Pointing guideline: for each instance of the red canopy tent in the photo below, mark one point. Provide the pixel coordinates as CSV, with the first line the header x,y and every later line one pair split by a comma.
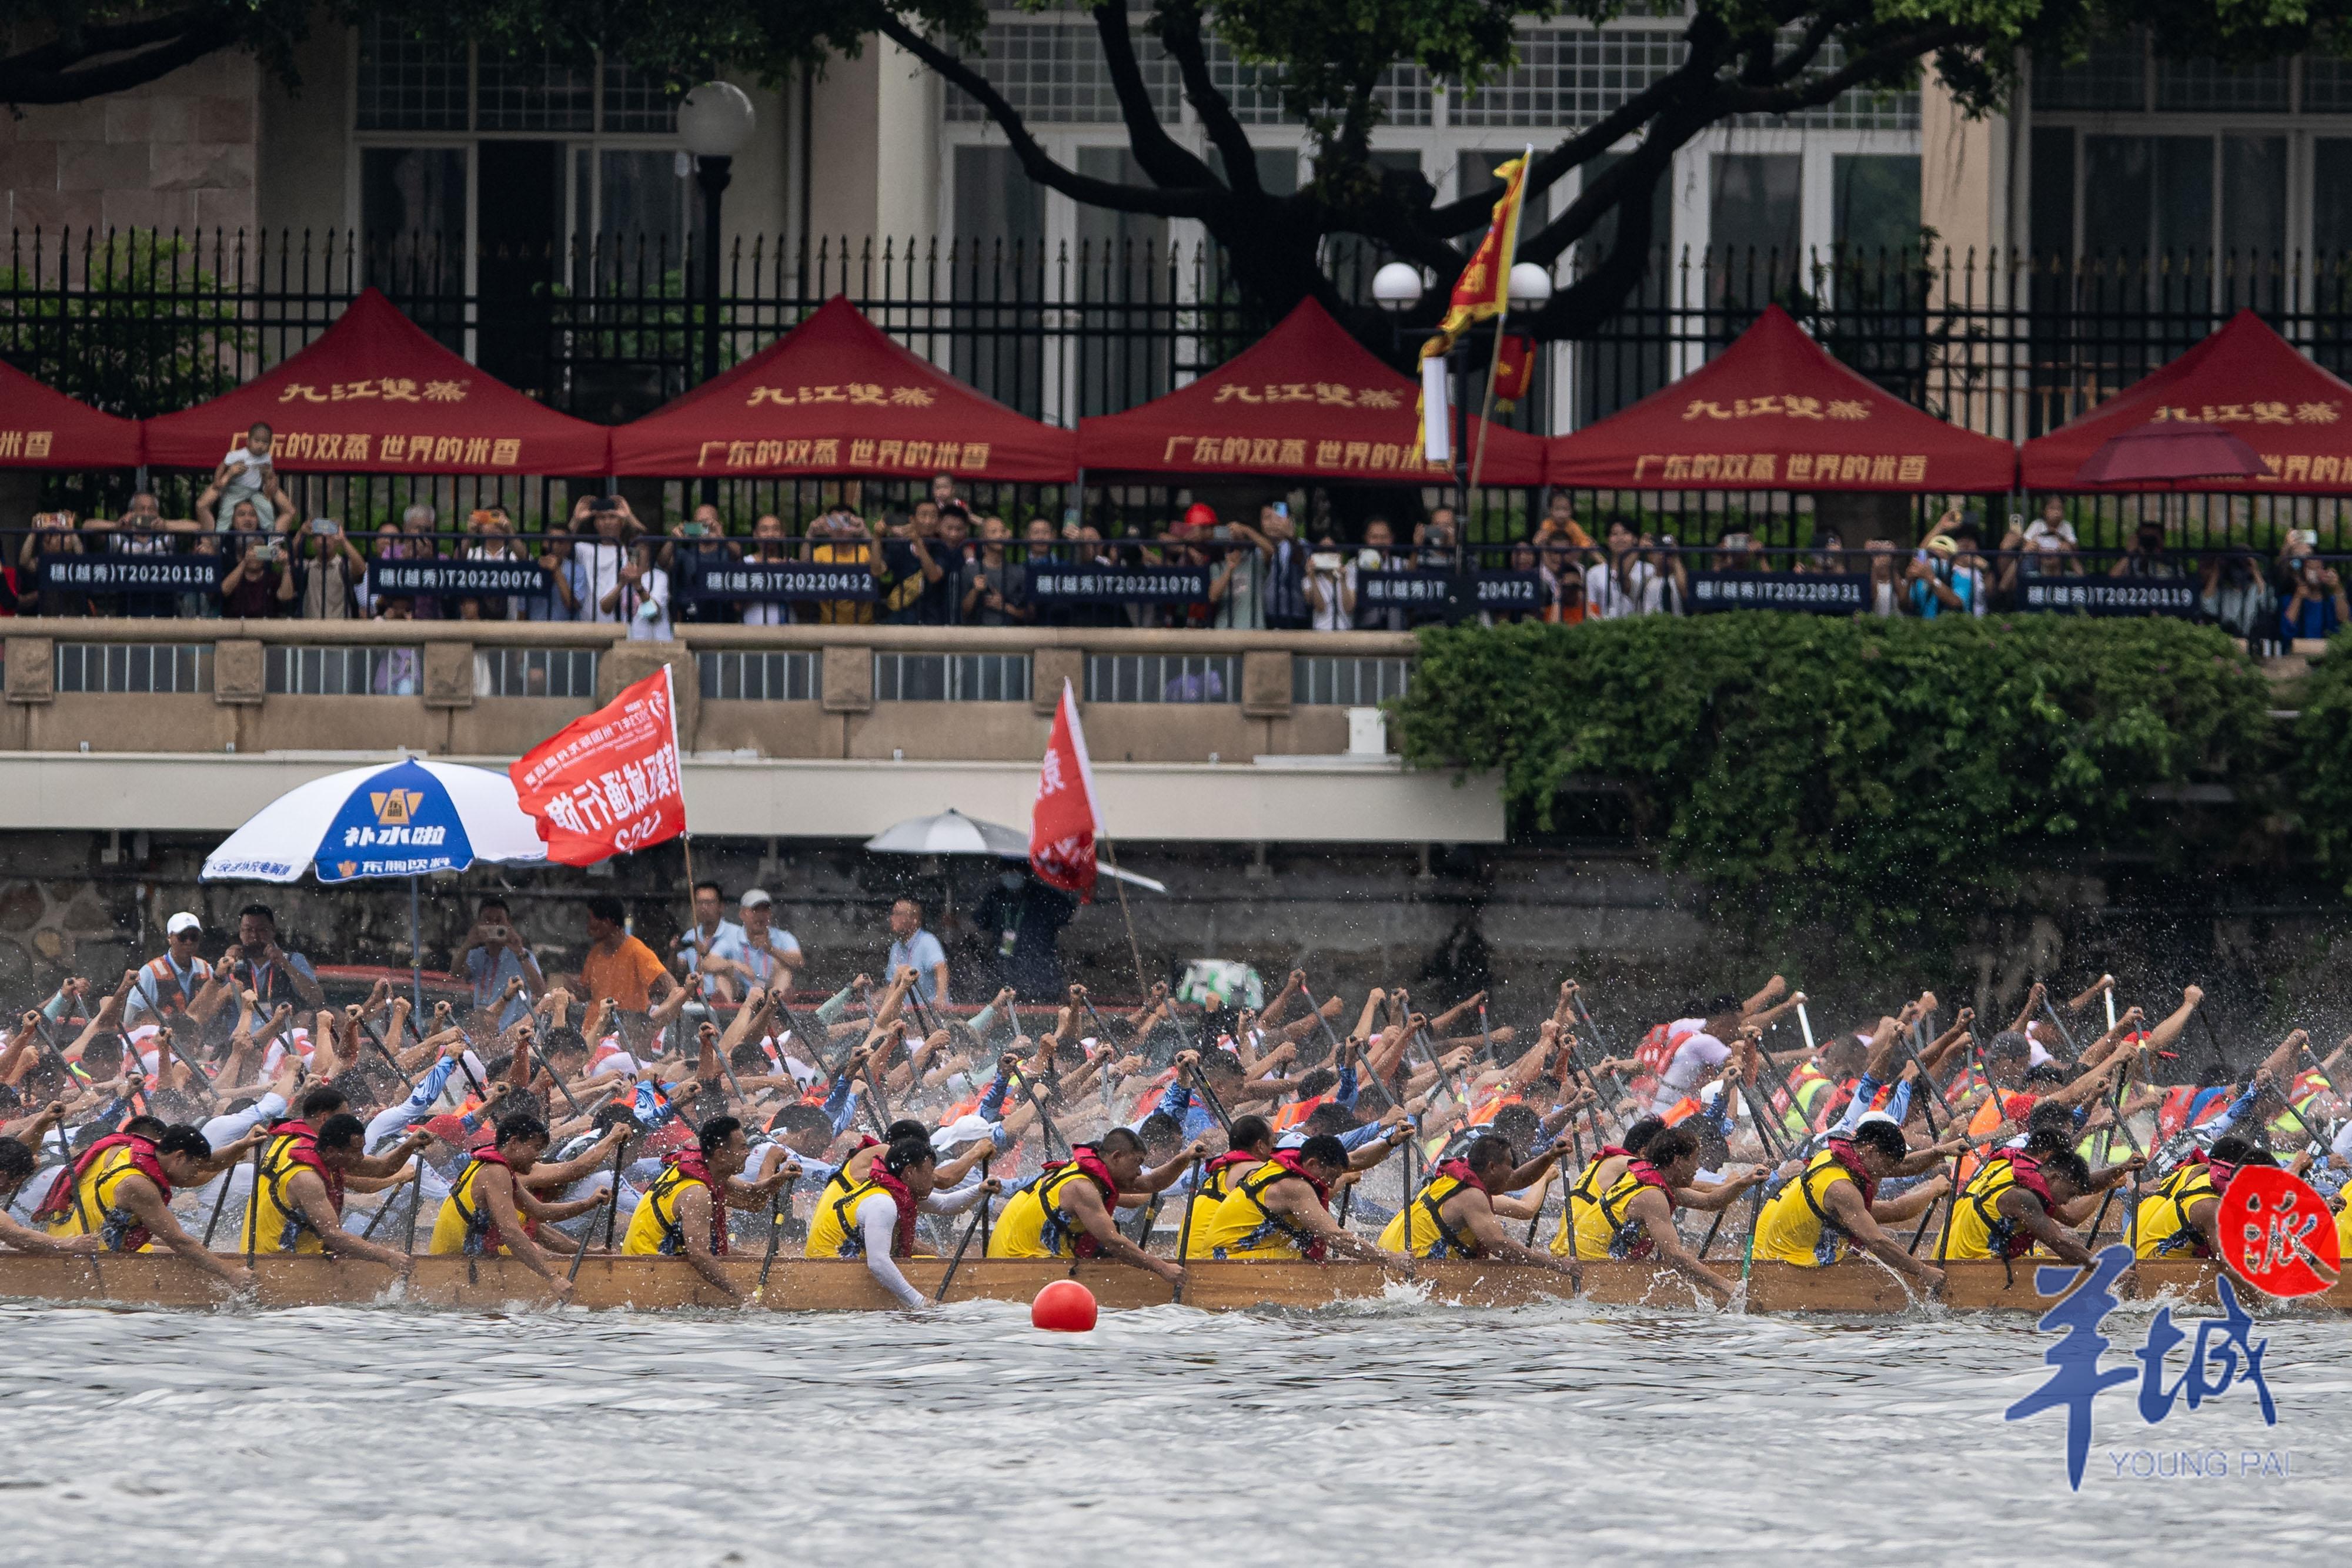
x,y
375,394
2244,378
43,428
1304,400
835,395
1776,411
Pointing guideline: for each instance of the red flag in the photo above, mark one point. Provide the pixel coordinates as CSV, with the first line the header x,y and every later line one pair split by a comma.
x,y
608,784
1063,823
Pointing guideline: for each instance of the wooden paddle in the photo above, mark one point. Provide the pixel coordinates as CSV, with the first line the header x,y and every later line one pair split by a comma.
x,y
781,1206
613,1206
1184,1231
954,1263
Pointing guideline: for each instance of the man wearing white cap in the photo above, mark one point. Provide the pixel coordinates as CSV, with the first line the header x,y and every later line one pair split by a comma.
x,y
767,958
177,985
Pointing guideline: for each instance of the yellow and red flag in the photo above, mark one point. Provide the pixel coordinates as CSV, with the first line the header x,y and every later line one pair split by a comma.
x,y
1484,289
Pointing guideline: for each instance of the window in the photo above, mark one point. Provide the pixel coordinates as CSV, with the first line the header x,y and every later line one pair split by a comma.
x,y
951,678
1054,72
2053,191
758,677
2331,197
535,673
1320,681
1876,199
405,84
1753,203
639,102
134,668
1569,76
1474,174
535,91
342,672
2113,75
1163,678
413,216
2208,86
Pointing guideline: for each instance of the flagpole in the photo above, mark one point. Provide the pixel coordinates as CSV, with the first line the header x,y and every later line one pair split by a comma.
x,y
1505,254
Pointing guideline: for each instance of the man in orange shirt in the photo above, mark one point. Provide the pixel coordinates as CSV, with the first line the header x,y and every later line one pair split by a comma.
x,y
617,965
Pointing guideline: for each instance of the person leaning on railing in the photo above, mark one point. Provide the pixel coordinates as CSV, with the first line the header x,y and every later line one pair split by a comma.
x,y
992,590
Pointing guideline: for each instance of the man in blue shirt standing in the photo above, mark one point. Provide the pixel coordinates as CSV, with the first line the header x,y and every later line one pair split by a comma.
x,y
913,947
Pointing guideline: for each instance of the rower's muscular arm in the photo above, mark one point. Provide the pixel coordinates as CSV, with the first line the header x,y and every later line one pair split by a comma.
x,y
503,1196
2027,1210
1294,1198
694,1226
138,1195
1861,1227
1657,1216
1707,1197
1471,1210
308,1194
15,1238
1086,1207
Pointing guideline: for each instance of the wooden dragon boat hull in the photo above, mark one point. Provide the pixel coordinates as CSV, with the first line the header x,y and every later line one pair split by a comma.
x,y
659,1284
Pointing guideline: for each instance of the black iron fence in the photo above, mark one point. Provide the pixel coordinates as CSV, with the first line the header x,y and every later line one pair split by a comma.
x,y
139,322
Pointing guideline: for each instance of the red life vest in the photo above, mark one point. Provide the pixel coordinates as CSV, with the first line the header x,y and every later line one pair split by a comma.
x,y
1646,1174
1459,1171
690,1164
2173,1114
303,1150
1849,1160
1090,1166
2222,1171
1290,1115
902,1237
1226,1162
1314,1250
486,1226
2026,1171
59,1203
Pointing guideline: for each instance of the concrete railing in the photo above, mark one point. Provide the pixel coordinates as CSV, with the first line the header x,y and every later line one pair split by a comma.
x,y
441,687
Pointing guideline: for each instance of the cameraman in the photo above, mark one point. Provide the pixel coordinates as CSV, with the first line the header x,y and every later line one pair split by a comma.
x,y
493,955
260,965
1330,588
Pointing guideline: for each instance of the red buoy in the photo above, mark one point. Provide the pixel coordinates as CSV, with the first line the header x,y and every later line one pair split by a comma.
x,y
1064,1307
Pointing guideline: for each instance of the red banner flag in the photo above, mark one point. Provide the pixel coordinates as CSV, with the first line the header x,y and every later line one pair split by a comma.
x,y
608,784
1063,823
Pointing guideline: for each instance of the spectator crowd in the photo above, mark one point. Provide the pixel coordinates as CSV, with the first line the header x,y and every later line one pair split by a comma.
x,y
945,561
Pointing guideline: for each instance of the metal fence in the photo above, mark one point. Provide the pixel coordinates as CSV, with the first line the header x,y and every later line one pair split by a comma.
x,y
139,323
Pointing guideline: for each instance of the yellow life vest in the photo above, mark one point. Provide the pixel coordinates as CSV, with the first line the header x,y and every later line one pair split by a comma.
x,y
1215,1187
1978,1230
1033,1224
1605,1226
463,1225
2163,1228
833,1229
1586,1188
94,1197
1244,1227
1431,1236
654,1229
1795,1227
282,1226
2344,1230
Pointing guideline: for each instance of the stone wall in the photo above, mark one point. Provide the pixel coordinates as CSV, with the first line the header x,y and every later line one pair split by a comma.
x,y
178,153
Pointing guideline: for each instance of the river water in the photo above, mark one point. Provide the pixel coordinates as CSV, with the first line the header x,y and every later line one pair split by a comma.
x,y
1388,1433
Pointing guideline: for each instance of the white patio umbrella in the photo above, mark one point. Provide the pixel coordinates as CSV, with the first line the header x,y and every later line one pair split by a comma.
x,y
953,833
405,818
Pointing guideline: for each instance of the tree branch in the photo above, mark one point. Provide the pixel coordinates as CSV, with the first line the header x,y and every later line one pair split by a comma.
x,y
1896,53
1156,152
1167,204
143,51
1181,38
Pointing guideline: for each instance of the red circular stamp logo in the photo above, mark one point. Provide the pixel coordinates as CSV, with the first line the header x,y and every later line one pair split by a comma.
x,y
2278,1234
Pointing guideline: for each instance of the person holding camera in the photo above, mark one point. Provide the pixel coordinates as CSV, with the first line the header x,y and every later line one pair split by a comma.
x,y
590,580
325,570
495,955
1330,588
250,590
697,544
2318,605
257,964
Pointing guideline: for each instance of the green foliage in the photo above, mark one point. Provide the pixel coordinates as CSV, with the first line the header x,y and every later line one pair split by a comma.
x,y
2322,766
148,332
1887,777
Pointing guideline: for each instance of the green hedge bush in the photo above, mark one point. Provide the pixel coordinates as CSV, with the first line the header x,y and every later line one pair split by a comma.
x,y
1883,775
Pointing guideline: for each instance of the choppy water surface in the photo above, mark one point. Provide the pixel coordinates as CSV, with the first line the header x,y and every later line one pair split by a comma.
x,y
1393,1434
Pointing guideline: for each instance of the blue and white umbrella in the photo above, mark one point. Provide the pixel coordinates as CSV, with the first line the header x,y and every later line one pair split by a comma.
x,y
408,819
